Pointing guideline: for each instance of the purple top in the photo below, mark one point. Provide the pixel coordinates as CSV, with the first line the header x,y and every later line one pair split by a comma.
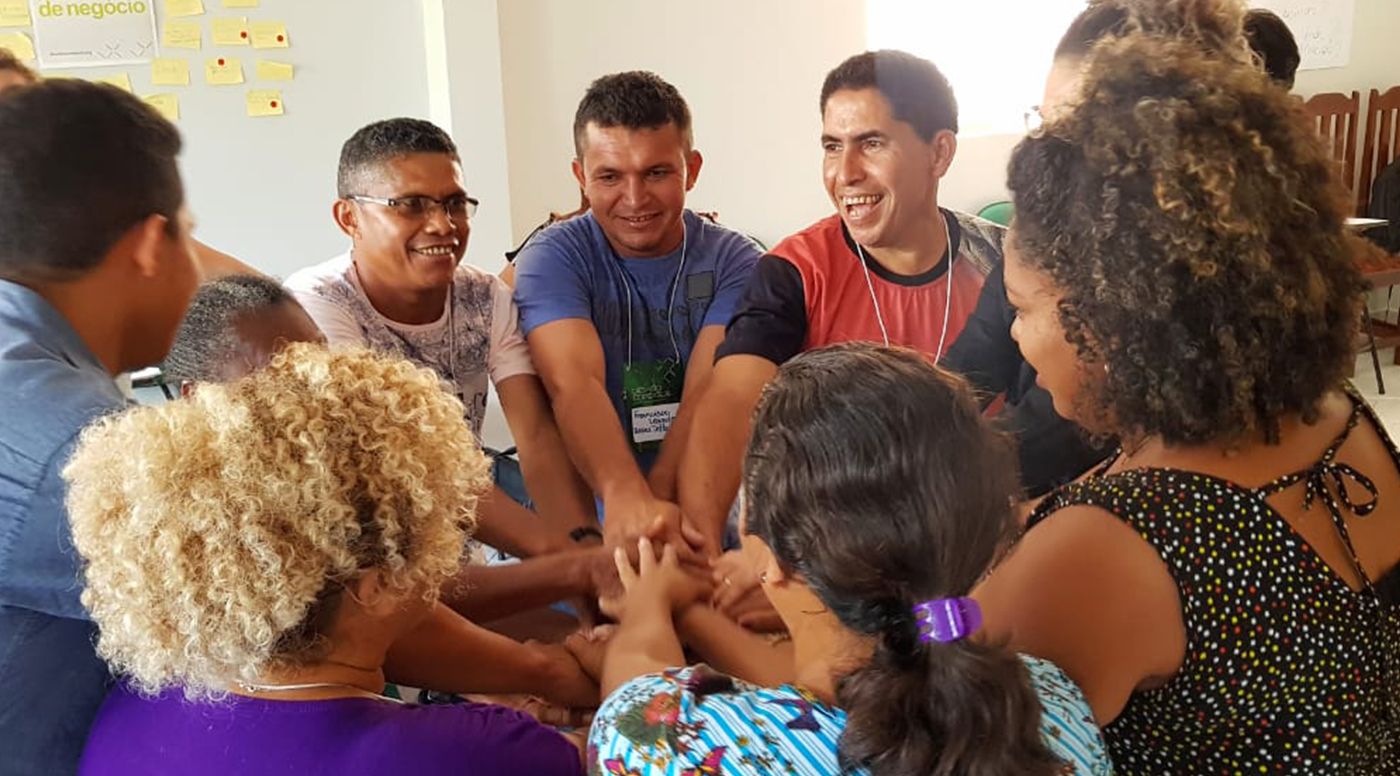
x,y
344,736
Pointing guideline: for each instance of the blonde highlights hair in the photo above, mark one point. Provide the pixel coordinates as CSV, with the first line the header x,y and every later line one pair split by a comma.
x,y
218,531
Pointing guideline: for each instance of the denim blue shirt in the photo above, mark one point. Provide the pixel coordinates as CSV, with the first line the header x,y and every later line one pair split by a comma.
x,y
51,680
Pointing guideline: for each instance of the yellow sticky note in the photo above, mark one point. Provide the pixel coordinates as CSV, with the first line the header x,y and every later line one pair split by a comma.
x,y
170,72
184,7
122,81
274,71
229,32
240,3
15,13
269,35
168,105
223,71
19,44
264,103
185,35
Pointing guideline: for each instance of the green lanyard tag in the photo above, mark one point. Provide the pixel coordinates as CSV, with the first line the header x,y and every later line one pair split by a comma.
x,y
652,392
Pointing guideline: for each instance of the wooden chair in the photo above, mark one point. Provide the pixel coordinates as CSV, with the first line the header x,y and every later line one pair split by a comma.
x,y
1336,117
1382,141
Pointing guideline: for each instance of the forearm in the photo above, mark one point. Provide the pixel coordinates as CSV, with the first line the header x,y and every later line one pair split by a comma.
x,y
484,593
730,648
562,499
644,643
511,528
450,654
711,470
664,473
597,442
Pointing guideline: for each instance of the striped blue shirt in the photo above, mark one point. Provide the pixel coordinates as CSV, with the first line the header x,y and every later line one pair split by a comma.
x,y
696,722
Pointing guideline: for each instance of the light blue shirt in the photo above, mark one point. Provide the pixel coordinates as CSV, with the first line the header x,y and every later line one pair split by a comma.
x,y
51,680
694,721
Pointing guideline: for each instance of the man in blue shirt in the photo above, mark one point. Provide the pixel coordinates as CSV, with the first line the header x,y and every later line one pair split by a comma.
x,y
624,306
96,269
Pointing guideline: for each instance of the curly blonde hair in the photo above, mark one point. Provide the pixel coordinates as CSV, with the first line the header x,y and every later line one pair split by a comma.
x,y
1195,224
219,531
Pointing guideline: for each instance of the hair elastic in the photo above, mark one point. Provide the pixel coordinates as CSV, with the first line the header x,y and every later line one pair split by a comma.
x,y
947,619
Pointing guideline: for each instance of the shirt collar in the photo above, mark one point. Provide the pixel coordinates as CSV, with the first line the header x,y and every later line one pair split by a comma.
x,y
24,310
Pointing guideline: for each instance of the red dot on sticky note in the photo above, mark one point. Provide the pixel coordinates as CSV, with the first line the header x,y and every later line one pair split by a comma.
x,y
280,38
243,34
221,63
274,103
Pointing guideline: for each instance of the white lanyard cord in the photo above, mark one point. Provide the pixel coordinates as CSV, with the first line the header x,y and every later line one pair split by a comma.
x,y
675,283
947,303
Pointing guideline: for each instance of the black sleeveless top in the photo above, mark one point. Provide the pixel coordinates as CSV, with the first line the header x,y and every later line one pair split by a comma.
x,y
1287,669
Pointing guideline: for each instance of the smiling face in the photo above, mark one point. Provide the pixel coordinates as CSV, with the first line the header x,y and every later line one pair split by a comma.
x,y
407,253
636,180
881,176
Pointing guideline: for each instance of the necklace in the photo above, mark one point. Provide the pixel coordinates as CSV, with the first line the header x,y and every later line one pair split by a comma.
x,y
252,687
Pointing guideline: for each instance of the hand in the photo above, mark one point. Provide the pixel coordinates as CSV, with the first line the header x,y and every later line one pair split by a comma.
x,y
589,646
663,582
657,520
562,680
736,576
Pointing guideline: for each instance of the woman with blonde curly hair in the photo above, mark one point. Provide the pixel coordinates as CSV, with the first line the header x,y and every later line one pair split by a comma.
x,y
1225,588
251,555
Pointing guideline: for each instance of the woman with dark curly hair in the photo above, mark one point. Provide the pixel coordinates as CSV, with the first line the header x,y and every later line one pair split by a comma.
x,y
1225,588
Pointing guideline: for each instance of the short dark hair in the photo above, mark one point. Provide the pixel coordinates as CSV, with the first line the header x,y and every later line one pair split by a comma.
x,y
875,478
636,99
80,164
10,62
914,87
381,141
208,335
1271,39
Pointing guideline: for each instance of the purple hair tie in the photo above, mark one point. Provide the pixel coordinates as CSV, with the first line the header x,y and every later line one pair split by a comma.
x,y
947,619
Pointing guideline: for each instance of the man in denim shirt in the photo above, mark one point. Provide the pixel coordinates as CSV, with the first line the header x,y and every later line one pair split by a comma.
x,y
96,269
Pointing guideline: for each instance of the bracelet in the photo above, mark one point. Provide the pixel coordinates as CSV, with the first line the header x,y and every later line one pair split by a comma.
x,y
584,532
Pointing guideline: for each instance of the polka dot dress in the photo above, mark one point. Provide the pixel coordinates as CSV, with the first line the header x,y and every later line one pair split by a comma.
x,y
1287,669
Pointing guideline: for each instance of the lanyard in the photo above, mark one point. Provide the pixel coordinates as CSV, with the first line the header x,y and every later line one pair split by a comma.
x,y
671,303
947,303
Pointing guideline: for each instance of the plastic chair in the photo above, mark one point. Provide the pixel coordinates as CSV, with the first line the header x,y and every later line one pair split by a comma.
x,y
997,213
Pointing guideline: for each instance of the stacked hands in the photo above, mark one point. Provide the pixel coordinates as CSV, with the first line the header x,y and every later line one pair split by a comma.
x,y
650,579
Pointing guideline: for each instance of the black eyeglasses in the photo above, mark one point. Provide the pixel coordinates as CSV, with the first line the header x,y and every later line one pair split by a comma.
x,y
459,207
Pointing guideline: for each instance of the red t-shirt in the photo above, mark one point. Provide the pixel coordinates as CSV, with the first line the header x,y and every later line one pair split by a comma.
x,y
812,290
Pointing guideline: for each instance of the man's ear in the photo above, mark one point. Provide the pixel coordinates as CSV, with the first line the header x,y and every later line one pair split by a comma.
x,y
577,167
347,218
945,147
693,162
187,388
145,240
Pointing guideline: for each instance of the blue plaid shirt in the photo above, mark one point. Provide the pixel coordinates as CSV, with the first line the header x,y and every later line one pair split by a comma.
x,y
51,681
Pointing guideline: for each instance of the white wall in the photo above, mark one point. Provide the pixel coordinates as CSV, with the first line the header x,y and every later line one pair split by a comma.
x,y
751,72
261,189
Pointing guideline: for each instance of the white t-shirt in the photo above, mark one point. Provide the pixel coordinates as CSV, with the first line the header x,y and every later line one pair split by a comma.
x,y
484,338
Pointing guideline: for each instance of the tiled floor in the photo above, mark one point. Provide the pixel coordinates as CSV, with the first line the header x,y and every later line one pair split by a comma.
x,y
1387,406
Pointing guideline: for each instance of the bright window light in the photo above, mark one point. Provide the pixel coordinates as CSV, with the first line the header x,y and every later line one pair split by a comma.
x,y
995,53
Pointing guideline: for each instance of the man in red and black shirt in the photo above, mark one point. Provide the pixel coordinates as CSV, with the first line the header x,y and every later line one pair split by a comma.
x,y
890,266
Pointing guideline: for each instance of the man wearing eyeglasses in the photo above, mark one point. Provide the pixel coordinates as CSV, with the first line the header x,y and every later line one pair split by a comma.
x,y
403,288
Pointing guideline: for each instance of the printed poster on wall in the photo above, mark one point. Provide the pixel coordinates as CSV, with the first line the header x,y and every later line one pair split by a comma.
x,y
92,34
1322,28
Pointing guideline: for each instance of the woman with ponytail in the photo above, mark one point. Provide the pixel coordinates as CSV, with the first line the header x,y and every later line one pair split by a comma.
x,y
877,495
